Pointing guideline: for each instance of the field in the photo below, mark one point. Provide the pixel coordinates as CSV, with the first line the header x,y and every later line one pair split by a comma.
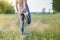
x,y
43,27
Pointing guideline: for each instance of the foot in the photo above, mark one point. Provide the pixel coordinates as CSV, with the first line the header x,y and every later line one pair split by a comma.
x,y
22,36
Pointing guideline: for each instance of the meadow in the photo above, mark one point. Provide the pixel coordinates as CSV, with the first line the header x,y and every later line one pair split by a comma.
x,y
42,27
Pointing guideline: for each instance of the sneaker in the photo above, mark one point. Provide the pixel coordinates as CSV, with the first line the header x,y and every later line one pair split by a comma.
x,y
27,17
22,36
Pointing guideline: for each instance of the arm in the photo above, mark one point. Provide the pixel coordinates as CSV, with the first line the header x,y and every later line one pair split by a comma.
x,y
24,3
17,5
24,6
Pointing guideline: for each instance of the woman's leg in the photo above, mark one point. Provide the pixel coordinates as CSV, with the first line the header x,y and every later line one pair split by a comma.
x,y
21,18
29,16
22,24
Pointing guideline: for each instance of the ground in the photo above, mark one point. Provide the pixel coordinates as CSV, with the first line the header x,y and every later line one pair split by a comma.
x,y
43,27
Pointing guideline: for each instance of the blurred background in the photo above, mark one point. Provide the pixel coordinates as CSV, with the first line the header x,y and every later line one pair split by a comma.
x,y
45,23
37,5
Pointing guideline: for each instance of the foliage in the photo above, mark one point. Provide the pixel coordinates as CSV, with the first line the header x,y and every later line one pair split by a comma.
x,y
6,7
56,5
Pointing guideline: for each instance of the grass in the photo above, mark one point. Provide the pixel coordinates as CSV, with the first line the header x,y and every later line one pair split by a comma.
x,y
43,27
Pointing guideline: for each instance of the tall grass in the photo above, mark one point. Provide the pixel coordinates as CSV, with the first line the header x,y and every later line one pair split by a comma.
x,y
43,27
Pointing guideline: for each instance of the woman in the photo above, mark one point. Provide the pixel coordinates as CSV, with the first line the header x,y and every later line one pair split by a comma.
x,y
23,12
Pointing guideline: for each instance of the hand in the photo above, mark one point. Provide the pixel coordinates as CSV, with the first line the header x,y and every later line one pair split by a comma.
x,y
23,10
17,9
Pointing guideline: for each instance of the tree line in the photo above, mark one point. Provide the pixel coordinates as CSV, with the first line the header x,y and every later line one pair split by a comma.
x,y
56,5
